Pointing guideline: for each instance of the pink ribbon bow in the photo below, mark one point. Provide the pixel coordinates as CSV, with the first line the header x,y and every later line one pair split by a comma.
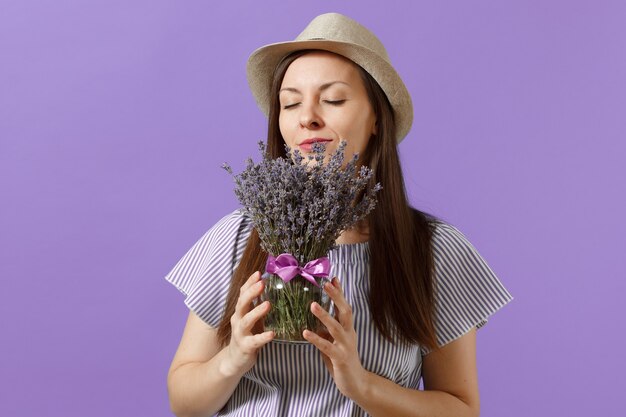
x,y
286,267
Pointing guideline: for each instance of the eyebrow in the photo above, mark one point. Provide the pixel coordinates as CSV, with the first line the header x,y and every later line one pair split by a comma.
x,y
322,87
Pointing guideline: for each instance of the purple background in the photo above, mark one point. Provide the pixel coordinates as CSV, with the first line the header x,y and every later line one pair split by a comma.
x,y
116,115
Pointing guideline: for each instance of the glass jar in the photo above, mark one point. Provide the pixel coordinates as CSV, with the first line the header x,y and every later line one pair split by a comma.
x,y
290,306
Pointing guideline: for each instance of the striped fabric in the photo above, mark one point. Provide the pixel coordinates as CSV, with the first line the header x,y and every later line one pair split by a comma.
x,y
290,377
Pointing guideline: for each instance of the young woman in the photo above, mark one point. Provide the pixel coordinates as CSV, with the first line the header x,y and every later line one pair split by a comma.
x,y
410,290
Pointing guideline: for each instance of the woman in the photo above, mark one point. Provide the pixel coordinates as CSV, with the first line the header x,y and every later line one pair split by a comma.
x,y
413,290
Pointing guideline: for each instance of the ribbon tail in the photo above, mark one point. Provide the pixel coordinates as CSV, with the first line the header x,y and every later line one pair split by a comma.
x,y
309,278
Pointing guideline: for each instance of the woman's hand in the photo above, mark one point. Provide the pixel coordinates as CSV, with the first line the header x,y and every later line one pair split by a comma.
x,y
339,349
247,335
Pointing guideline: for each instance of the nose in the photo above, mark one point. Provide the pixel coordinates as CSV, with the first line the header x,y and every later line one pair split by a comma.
x,y
310,117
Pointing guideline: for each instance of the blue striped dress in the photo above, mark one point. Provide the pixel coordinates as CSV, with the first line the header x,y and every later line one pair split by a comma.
x,y
290,379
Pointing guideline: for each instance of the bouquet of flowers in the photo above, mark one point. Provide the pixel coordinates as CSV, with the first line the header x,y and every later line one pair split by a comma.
x,y
299,207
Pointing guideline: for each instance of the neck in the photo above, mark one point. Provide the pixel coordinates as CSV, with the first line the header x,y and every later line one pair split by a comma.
x,y
357,234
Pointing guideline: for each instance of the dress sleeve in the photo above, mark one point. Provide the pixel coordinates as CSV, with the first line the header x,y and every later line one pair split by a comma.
x,y
204,273
467,291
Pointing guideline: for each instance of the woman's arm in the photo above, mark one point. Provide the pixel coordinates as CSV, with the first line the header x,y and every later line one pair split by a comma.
x,y
450,375
450,386
202,377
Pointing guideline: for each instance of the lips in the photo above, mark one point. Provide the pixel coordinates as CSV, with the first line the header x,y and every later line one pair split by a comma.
x,y
307,144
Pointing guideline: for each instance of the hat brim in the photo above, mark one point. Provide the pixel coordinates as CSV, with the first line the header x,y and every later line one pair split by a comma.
x,y
262,62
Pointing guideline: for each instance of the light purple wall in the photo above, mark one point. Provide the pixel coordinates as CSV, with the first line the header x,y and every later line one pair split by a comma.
x,y
116,115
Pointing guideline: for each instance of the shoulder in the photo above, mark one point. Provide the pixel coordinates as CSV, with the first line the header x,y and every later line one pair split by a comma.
x,y
458,263
220,242
203,274
460,267
225,241
445,229
228,230
467,291
449,241
234,220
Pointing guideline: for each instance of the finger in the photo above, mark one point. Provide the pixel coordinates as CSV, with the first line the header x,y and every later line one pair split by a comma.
x,y
319,342
261,339
250,319
251,343
333,326
251,281
343,310
244,303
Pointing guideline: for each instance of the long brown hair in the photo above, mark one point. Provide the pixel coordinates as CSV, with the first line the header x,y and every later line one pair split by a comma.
x,y
401,295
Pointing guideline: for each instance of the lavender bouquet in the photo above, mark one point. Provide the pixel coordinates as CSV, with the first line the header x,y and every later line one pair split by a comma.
x,y
299,206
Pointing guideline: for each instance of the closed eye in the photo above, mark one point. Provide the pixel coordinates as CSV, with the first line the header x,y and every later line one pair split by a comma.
x,y
335,102
290,106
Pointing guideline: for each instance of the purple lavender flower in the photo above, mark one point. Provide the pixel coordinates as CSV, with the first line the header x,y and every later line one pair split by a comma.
x,y
299,205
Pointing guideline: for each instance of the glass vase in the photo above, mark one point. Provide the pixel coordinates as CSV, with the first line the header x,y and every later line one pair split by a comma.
x,y
290,311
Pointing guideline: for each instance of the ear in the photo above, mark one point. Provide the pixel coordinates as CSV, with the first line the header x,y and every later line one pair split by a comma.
x,y
375,128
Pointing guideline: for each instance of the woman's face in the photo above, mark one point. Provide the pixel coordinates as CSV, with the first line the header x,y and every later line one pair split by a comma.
x,y
323,99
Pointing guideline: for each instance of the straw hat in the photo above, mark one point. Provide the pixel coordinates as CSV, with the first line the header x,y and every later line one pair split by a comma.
x,y
336,33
